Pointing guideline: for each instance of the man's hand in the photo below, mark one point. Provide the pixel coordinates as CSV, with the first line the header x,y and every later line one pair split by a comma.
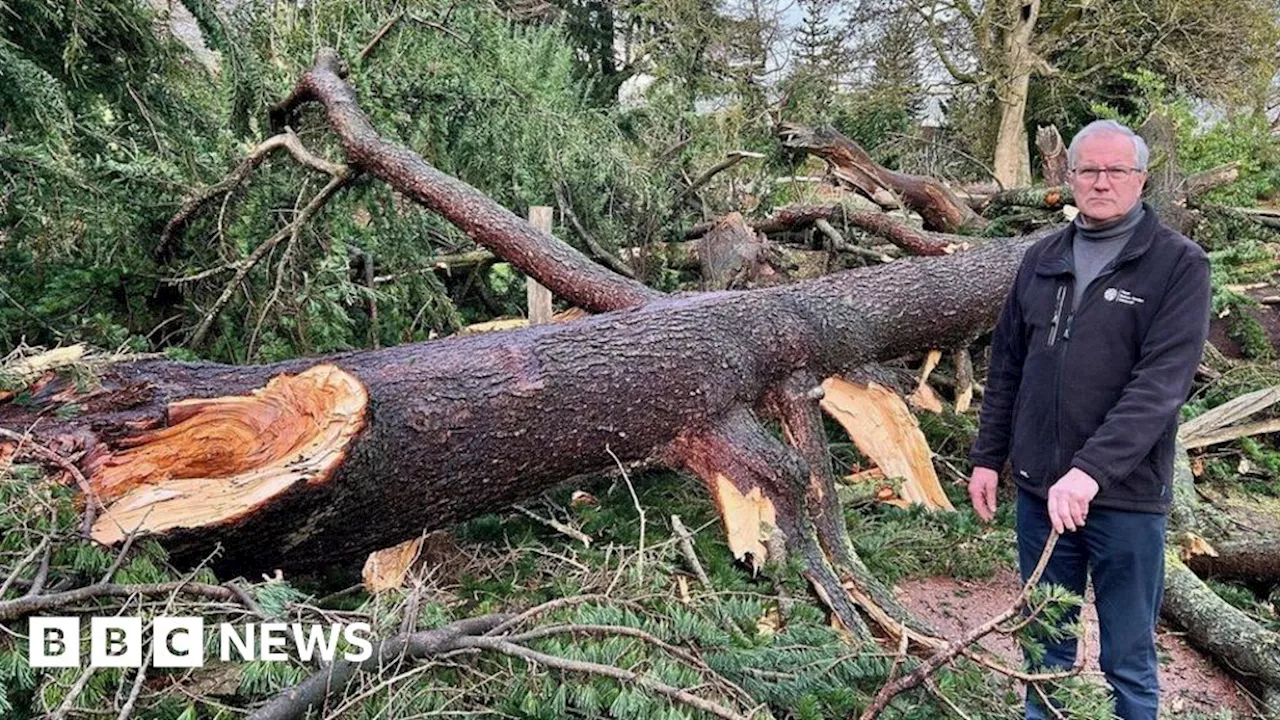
x,y
1069,500
982,491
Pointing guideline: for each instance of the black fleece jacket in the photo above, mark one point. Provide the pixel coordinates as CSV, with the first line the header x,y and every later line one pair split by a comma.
x,y
1099,386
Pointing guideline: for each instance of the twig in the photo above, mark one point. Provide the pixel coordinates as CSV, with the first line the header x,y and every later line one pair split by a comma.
x,y
377,37
286,140
932,687
839,244
373,300
73,694
282,267
17,569
245,598
626,676
146,116
556,525
440,27
733,158
624,630
639,509
1049,705
91,502
119,559
134,692
904,640
42,574
1026,677
544,608
958,647
290,231
686,548
13,609
606,257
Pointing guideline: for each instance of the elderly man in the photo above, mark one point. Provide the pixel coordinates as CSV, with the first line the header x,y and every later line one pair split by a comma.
x,y
1092,357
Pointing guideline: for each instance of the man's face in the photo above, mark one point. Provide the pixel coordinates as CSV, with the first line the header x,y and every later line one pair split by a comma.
x,y
1106,196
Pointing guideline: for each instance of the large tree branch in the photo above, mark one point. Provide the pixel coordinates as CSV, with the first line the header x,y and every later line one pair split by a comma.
x,y
853,166
568,273
939,47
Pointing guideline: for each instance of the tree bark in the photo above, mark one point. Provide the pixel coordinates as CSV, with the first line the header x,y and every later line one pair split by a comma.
x,y
1248,560
1212,624
1012,156
1053,155
568,273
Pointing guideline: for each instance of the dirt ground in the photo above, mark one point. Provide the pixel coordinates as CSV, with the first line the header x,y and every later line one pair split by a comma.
x,y
1190,681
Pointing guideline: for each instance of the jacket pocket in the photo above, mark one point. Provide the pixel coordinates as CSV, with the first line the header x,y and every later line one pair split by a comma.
x,y
1032,443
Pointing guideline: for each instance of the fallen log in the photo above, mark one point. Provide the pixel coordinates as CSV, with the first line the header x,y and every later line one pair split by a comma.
x,y
1221,423
449,429
1247,560
312,462
851,165
1231,636
794,218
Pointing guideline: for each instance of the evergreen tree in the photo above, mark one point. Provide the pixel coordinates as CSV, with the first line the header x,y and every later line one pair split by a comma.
x,y
819,45
895,69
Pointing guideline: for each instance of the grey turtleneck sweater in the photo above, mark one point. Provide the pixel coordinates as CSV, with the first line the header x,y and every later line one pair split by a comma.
x,y
1096,245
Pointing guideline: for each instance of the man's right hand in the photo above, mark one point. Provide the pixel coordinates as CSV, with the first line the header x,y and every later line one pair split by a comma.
x,y
982,491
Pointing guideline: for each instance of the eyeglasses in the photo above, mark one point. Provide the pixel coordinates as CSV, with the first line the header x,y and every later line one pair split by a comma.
x,y
1116,173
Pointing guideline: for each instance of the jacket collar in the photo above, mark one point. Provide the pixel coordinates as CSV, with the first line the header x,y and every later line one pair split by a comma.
x,y
1056,257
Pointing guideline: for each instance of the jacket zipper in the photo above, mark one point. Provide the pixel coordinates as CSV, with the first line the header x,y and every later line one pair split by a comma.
x,y
1057,383
1057,315
1062,354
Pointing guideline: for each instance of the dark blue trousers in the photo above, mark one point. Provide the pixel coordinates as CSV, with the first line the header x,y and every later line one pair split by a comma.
x,y
1124,552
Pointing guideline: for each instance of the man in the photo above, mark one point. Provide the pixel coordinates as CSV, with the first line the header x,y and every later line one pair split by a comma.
x,y
1092,357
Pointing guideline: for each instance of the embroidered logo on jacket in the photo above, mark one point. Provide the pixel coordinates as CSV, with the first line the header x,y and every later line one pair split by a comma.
x,y
1121,296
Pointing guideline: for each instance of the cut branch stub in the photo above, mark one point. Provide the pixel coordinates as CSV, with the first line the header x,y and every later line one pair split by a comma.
x,y
1053,154
222,457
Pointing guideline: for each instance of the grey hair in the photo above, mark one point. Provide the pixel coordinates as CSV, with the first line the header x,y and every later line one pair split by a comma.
x,y
1101,127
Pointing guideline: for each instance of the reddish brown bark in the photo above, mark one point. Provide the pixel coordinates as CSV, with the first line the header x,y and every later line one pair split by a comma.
x,y
459,427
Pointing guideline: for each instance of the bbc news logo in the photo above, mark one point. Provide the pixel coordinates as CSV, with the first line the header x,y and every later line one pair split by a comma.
x,y
179,642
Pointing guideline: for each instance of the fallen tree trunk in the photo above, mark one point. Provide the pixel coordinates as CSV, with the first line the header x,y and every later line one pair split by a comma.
x,y
311,462
1236,640
446,430
1248,560
1222,630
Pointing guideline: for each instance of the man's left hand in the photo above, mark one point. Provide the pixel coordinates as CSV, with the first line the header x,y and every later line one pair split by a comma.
x,y
1069,500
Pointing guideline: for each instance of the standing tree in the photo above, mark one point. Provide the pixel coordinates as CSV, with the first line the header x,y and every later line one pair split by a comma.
x,y
1215,50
